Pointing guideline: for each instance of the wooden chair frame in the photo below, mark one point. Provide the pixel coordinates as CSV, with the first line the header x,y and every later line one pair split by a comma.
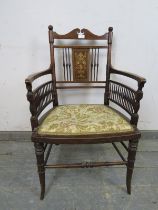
x,y
123,95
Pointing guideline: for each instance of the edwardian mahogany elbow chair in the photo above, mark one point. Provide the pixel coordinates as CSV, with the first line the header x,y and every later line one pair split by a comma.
x,y
83,123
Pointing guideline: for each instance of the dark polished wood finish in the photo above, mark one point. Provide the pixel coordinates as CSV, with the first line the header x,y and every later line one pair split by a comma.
x,y
86,164
83,71
132,149
39,150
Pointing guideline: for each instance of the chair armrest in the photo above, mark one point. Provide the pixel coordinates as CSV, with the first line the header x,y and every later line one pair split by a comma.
x,y
40,97
141,81
34,76
125,96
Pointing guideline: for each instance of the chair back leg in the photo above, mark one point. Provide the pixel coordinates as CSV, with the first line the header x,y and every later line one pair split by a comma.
x,y
39,150
132,149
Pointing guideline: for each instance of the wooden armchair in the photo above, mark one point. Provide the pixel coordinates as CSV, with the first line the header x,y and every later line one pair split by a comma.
x,y
83,123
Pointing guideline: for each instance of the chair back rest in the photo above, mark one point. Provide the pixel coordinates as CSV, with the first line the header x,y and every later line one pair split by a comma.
x,y
79,62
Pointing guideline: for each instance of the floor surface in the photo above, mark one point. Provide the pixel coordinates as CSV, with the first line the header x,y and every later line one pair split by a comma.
x,y
77,189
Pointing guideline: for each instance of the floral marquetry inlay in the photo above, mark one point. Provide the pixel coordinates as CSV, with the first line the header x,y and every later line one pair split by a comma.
x,y
80,64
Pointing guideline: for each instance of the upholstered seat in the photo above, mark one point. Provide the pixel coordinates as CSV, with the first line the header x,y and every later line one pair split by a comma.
x,y
84,119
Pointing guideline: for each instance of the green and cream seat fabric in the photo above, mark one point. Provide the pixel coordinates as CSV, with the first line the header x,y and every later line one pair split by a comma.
x,y
83,119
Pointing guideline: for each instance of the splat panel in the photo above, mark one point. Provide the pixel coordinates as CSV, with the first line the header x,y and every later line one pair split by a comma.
x,y
80,59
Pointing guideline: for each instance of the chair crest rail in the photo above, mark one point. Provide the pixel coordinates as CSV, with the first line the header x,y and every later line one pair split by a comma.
x,y
77,34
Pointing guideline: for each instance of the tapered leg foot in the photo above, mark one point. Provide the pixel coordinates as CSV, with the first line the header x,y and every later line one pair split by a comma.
x,y
39,150
132,149
128,180
42,183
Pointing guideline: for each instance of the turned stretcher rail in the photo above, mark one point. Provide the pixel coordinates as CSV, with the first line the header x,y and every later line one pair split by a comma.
x,y
86,164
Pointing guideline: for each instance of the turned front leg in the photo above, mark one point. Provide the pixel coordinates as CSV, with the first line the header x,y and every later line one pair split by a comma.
x,y
39,150
132,149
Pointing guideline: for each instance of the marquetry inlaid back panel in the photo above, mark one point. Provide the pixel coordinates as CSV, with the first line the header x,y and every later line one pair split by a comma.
x,y
80,62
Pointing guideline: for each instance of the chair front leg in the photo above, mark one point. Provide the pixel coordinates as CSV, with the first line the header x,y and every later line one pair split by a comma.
x,y
39,150
132,149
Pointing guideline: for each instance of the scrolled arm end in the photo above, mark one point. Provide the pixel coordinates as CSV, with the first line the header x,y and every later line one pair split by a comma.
x,y
141,84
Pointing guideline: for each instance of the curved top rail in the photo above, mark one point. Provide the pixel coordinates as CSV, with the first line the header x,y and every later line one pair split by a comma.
x,y
89,35
80,34
71,35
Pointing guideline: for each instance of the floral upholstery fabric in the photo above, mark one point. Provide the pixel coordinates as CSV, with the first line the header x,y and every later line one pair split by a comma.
x,y
83,119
